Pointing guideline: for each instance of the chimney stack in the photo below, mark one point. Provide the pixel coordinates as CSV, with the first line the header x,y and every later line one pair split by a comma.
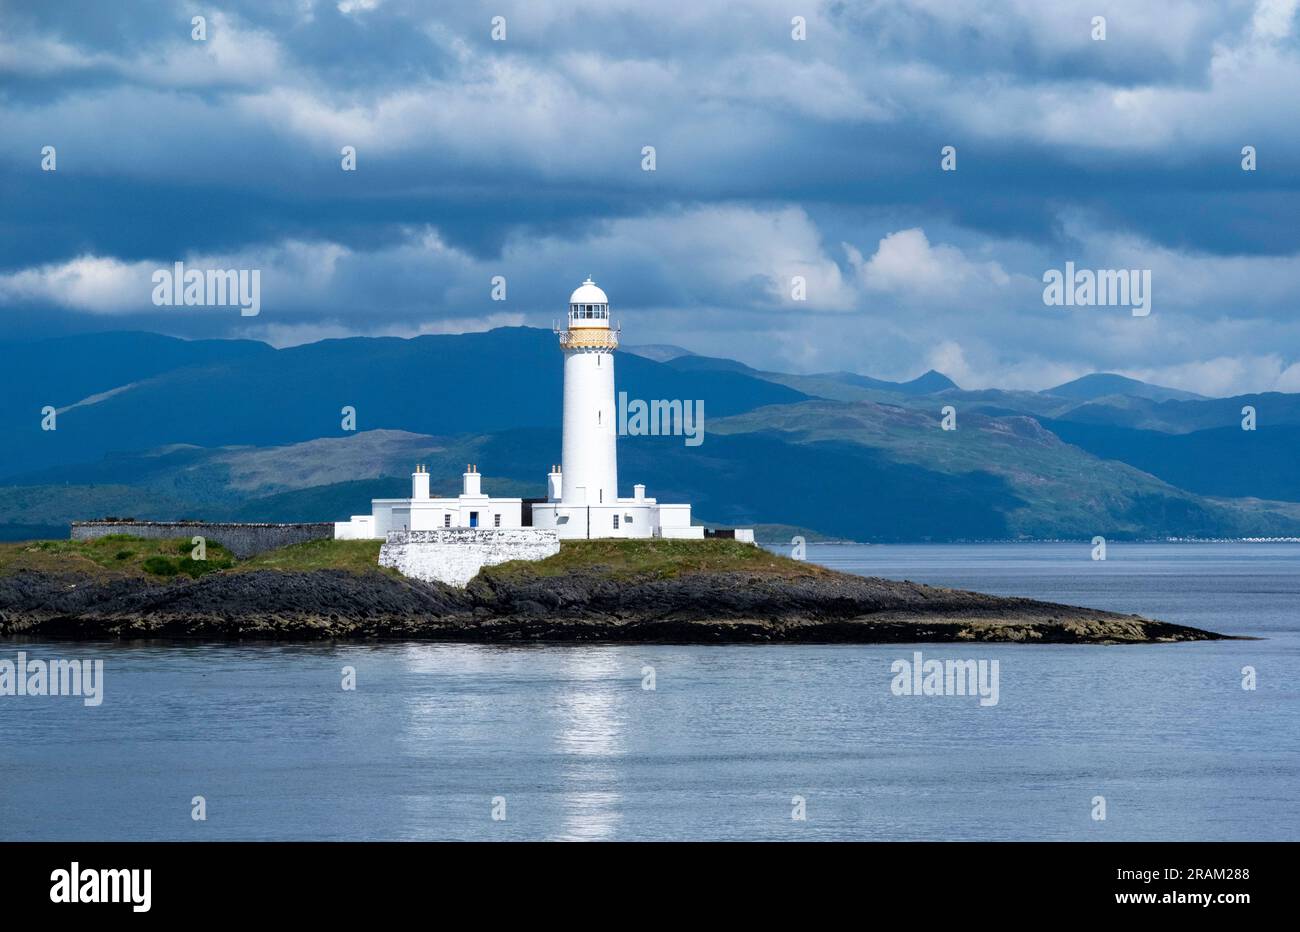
x,y
420,483
473,481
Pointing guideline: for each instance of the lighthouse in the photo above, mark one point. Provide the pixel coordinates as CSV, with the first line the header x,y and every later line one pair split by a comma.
x,y
589,451
581,490
582,498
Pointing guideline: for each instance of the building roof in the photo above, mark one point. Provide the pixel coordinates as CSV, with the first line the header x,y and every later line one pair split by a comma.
x,y
588,293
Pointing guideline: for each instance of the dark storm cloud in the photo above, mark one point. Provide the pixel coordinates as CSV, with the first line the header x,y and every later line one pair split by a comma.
x,y
775,158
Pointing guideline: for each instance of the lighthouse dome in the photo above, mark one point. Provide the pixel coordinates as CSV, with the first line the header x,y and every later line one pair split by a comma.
x,y
588,293
588,307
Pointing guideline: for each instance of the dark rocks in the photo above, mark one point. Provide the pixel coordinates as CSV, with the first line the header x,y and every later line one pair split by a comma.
x,y
582,606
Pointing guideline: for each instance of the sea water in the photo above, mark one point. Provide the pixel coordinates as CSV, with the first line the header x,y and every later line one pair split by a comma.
x,y
448,741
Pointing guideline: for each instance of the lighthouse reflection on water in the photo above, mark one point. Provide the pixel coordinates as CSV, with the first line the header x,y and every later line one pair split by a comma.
x,y
568,746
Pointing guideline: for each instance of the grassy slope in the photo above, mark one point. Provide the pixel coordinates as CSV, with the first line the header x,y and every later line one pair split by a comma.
x,y
661,559
120,554
355,556
123,555
114,555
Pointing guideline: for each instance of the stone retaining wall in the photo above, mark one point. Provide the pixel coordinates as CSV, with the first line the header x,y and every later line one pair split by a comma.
x,y
243,540
455,555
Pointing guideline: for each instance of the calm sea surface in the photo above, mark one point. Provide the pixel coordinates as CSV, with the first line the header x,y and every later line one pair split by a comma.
x,y
579,750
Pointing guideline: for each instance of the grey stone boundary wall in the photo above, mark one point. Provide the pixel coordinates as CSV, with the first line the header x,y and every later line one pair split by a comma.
x,y
243,540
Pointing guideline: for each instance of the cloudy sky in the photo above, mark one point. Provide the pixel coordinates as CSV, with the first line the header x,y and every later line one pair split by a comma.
x,y
775,158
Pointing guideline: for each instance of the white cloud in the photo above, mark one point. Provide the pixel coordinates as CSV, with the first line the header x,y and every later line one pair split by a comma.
x,y
292,272
96,284
905,262
1273,19
1225,375
232,54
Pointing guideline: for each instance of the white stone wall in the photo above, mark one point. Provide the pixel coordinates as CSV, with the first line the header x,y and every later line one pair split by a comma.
x,y
674,516
682,533
455,555
361,527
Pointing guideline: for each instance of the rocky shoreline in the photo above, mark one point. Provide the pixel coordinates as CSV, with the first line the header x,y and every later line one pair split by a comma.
x,y
586,606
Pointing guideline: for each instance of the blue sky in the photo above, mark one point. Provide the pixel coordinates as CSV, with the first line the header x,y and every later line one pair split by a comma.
x,y
775,158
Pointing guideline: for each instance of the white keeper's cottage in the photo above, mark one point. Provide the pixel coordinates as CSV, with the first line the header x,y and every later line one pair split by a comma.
x,y
582,499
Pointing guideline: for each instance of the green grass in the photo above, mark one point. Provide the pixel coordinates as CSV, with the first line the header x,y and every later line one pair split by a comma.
x,y
355,556
114,555
123,555
660,559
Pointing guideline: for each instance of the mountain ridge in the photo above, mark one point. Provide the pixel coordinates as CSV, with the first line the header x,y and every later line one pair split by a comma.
x,y
245,431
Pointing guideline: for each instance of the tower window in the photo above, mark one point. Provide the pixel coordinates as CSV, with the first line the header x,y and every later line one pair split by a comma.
x,y
496,520
616,522
446,520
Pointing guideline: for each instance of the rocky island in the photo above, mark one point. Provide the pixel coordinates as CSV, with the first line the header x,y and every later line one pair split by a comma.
x,y
666,591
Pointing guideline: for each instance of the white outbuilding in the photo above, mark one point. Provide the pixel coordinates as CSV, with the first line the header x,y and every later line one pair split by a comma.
x,y
421,512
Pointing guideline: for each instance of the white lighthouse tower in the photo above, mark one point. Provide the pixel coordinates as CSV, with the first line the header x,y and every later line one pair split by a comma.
x,y
582,493
589,457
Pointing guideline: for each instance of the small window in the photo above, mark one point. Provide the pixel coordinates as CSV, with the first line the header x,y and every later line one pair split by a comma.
x,y
496,520
446,520
616,522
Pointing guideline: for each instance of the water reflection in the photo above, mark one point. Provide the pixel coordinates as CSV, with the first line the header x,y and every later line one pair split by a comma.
x,y
559,712
591,731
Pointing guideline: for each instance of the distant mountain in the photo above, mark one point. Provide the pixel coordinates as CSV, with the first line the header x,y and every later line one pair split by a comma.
x,y
1221,461
1102,384
659,352
837,386
819,383
926,384
252,394
693,363
989,471
1273,409
860,471
65,370
157,428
